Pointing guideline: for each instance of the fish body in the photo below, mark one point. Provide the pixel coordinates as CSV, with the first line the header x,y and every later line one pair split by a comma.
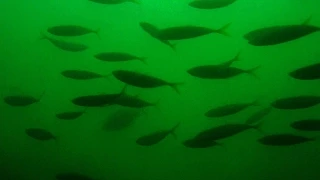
x,y
20,100
218,72
39,134
156,137
311,72
183,32
121,119
279,34
297,102
69,115
81,74
283,140
70,30
114,1
65,45
133,102
200,143
117,57
228,109
99,100
306,125
257,116
72,176
210,4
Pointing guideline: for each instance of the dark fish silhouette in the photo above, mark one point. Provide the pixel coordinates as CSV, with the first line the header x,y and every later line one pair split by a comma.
x,y
70,30
279,34
22,100
297,102
156,137
310,72
210,4
133,102
115,1
121,119
284,140
72,176
40,134
200,143
257,116
65,45
142,80
118,57
81,75
306,125
70,115
188,32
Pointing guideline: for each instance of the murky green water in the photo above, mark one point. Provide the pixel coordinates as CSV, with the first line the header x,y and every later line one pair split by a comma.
x,y
31,66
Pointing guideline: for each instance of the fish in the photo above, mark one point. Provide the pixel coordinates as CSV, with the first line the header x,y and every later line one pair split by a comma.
x,y
72,176
22,100
257,116
310,72
156,137
228,109
189,31
40,134
66,45
275,35
82,75
142,80
118,57
200,144
224,131
115,1
296,102
284,139
310,124
69,115
154,32
133,102
71,30
121,119
97,100
210,4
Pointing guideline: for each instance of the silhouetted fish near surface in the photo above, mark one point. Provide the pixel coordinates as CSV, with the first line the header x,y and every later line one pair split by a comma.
x,y
40,134
210,4
82,75
70,115
98,100
306,125
142,80
156,137
296,102
22,100
311,72
121,119
154,32
118,57
115,1
71,30
188,32
72,176
200,144
279,34
65,45
284,140
257,116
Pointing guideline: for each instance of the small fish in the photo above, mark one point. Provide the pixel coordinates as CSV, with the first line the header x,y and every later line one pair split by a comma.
x,y
121,119
284,140
156,137
133,102
188,32
118,57
22,100
279,34
142,80
115,1
201,143
311,72
40,134
71,30
210,4
229,109
306,125
70,115
72,176
257,116
98,100
154,32
81,74
296,102
65,45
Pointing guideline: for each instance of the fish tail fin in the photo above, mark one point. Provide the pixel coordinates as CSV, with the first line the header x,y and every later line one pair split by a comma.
x,y
234,59
143,59
107,76
173,46
173,130
223,30
136,1
174,86
258,127
42,36
252,71
307,21
156,104
97,32
221,144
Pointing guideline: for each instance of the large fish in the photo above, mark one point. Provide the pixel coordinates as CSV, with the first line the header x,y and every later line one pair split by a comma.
x,y
310,72
284,140
121,119
210,4
142,80
228,109
70,30
65,45
81,74
133,102
40,134
22,100
306,125
259,115
296,102
118,57
114,1
70,115
279,34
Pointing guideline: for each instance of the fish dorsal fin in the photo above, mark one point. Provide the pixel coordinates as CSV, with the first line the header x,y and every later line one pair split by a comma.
x,y
307,21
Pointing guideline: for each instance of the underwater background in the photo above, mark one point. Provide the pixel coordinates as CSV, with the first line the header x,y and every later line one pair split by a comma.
x,y
31,65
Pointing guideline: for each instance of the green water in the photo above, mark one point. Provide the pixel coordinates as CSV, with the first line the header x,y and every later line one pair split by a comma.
x,y
32,66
